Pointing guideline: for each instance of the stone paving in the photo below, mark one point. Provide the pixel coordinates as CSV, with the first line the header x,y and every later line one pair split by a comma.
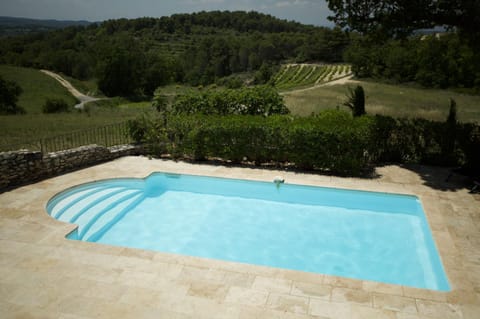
x,y
44,275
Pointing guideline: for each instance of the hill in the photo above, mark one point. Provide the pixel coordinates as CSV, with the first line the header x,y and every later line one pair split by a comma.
x,y
196,48
15,130
10,26
37,88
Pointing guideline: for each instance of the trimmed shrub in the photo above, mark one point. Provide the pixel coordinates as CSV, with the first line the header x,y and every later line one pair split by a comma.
x,y
332,141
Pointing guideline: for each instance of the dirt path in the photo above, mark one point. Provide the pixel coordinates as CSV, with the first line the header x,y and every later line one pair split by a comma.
x,y
80,96
340,81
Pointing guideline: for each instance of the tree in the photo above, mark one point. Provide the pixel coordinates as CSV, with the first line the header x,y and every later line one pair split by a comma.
x,y
121,71
450,134
356,101
399,18
9,93
264,74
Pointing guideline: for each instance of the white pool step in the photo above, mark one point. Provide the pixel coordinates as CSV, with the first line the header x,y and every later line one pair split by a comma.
x,y
95,208
109,214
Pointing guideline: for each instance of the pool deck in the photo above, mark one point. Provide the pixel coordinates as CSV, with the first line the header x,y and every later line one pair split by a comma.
x,y
44,275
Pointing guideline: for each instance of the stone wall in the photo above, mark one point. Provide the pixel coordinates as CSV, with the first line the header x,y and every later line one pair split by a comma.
x,y
24,166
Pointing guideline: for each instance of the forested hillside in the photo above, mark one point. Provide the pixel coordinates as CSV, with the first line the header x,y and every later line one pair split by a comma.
x,y
10,26
132,56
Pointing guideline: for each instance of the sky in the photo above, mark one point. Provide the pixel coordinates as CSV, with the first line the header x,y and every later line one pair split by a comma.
x,y
304,11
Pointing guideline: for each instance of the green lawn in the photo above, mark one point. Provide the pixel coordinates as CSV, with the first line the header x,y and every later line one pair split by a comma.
x,y
386,99
393,100
37,88
31,127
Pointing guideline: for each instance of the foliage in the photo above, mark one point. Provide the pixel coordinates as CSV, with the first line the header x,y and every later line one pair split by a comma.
x,y
333,142
440,62
356,101
387,49
9,93
258,100
55,106
196,48
399,18
264,74
37,87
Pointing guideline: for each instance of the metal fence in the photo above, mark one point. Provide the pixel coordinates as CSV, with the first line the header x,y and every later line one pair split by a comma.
x,y
108,135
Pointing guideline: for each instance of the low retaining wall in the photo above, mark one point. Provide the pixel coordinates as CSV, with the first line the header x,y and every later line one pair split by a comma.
x,y
24,166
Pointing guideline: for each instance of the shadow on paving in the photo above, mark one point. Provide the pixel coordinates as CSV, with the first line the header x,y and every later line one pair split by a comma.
x,y
441,178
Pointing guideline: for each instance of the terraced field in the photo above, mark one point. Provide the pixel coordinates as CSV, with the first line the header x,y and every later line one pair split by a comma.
x,y
304,75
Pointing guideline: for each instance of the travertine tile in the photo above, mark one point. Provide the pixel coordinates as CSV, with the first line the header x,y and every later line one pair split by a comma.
x,y
189,273
44,275
238,279
272,284
204,289
471,311
311,290
364,312
300,276
137,296
246,296
341,282
331,310
262,313
383,288
439,309
424,294
288,303
355,296
395,303
105,291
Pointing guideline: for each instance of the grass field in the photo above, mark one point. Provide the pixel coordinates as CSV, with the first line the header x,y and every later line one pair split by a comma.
x,y
393,100
34,125
25,128
37,88
386,99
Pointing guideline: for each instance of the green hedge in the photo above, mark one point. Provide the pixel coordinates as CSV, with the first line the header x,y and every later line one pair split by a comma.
x,y
332,141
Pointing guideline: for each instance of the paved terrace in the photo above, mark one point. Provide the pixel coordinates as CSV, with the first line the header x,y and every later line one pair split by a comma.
x,y
44,275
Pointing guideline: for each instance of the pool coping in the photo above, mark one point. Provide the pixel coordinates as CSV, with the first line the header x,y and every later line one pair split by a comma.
x,y
257,290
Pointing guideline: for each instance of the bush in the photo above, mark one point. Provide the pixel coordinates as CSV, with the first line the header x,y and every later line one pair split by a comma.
x,y
55,106
9,93
332,141
258,100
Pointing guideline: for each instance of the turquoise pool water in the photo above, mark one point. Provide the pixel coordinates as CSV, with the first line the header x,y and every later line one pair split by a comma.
x,y
364,235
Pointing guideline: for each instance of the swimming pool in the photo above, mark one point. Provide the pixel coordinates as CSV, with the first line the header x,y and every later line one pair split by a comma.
x,y
356,234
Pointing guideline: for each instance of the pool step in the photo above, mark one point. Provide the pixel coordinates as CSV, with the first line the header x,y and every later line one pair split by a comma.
x,y
109,214
95,208
95,236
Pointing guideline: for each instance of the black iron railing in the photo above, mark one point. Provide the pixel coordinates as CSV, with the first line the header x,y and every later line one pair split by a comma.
x,y
108,135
